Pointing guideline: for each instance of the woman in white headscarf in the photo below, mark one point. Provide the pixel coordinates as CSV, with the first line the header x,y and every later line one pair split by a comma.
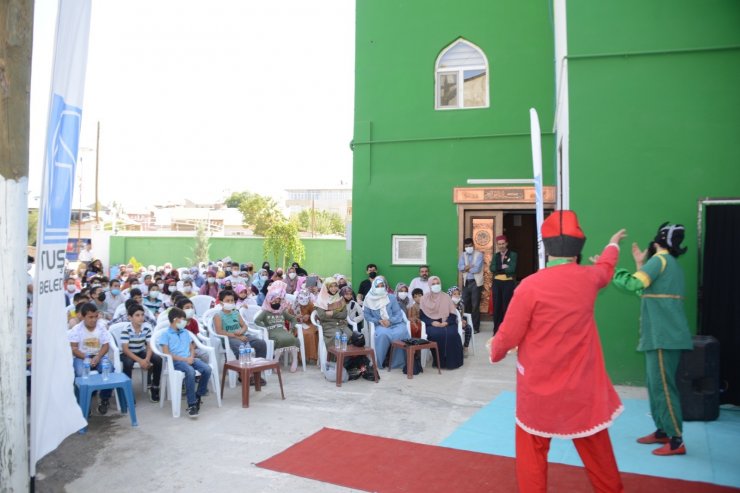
x,y
331,311
384,311
439,314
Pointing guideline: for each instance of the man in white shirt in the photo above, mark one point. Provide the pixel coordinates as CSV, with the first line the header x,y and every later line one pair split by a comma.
x,y
86,254
421,282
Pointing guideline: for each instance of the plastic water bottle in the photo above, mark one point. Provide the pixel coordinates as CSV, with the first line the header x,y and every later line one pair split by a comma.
x,y
344,342
105,367
242,354
248,353
338,340
86,367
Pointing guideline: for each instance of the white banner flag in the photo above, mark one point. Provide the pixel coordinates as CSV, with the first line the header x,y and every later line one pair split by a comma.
x,y
534,128
54,410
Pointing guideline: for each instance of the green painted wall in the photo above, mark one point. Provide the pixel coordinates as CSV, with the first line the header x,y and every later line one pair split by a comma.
x,y
650,134
323,256
405,186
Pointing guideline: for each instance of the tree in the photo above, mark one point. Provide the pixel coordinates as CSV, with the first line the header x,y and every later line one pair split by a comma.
x,y
235,199
319,222
282,243
202,245
259,212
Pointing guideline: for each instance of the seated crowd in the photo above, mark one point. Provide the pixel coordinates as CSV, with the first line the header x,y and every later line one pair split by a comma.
x,y
137,301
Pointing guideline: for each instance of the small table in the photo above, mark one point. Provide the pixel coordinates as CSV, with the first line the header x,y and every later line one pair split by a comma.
x,y
118,381
352,351
410,352
246,371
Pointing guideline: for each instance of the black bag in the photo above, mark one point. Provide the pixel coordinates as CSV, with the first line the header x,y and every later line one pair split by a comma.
x,y
417,364
357,340
412,341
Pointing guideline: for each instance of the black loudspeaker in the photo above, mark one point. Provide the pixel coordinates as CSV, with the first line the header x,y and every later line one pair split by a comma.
x,y
698,380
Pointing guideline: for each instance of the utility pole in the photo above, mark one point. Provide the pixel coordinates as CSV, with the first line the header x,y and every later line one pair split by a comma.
x,y
16,35
97,170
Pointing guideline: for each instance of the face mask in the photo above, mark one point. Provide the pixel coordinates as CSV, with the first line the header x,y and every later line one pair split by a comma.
x,y
436,288
264,278
189,312
167,271
181,324
456,299
211,280
101,297
187,289
234,272
372,275
228,306
134,285
291,275
403,295
71,288
160,284
154,294
115,292
379,291
275,306
468,249
187,277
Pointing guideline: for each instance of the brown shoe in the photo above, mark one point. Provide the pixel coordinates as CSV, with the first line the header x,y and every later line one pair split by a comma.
x,y
652,438
667,450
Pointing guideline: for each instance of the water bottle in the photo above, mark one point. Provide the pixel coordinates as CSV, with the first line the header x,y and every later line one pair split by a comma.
x,y
86,367
344,342
248,353
338,340
105,367
242,354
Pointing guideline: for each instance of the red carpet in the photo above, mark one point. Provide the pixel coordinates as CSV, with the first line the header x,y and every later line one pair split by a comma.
x,y
372,463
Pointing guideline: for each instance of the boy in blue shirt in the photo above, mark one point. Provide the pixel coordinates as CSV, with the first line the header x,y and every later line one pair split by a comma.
x,y
176,342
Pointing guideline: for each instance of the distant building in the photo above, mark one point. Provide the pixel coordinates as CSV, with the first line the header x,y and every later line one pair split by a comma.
x,y
338,200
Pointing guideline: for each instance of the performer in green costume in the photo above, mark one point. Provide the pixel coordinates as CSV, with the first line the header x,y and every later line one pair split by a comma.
x,y
664,330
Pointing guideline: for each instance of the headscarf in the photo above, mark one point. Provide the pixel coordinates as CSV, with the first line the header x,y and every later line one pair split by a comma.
x,y
404,303
278,287
299,270
377,301
258,282
302,298
346,289
437,305
325,298
452,290
300,281
271,296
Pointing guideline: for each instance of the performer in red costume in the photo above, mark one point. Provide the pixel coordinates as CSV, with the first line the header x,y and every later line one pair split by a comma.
x,y
563,389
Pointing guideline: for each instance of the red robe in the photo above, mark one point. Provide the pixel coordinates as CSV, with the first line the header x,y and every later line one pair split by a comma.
x,y
563,389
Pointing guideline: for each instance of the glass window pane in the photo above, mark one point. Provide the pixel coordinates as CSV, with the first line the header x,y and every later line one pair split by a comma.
x,y
474,88
447,90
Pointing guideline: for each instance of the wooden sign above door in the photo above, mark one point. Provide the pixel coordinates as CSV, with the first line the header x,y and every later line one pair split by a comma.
x,y
502,195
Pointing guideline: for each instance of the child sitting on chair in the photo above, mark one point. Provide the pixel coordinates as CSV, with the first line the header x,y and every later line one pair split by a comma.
x,y
456,296
413,313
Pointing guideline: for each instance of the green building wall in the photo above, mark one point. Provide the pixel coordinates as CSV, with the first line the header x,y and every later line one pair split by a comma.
x,y
654,124
323,256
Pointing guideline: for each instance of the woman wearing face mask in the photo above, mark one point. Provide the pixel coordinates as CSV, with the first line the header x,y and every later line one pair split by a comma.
x,y
210,287
259,282
291,280
403,298
331,310
438,312
302,309
384,311
273,317
266,267
456,296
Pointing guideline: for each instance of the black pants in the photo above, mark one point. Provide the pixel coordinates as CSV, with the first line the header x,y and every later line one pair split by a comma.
x,y
502,293
471,297
128,365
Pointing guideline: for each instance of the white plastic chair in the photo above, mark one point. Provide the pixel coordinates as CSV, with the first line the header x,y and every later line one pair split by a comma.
x,y
371,329
172,379
202,303
115,330
323,353
469,319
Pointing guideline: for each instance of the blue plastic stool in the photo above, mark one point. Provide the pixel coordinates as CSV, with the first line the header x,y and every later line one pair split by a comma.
x,y
118,381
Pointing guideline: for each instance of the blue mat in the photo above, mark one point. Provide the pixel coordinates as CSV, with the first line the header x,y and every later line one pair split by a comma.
x,y
712,446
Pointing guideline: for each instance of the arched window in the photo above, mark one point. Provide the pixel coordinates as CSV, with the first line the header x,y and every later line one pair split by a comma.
x,y
461,77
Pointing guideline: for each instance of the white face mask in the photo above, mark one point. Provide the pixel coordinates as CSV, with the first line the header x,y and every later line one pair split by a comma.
x,y
189,312
436,288
228,306
235,272
456,299
291,275
154,295
187,289
403,295
160,284
468,249
379,291
264,278
211,280
71,288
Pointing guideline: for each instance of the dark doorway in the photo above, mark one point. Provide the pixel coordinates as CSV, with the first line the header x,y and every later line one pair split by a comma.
x,y
719,291
520,228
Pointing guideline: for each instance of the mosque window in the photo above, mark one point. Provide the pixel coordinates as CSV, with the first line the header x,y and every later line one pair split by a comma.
x,y
461,77
409,249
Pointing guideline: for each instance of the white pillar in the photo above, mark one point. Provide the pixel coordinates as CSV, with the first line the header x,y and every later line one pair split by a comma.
x,y
562,117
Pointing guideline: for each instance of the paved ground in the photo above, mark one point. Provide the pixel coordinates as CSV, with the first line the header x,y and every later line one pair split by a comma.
x,y
218,450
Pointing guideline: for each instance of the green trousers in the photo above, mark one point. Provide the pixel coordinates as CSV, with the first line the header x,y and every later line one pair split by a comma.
x,y
665,403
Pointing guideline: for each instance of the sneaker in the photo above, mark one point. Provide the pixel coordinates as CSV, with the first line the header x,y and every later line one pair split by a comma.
x,y
154,394
667,449
103,407
654,437
193,411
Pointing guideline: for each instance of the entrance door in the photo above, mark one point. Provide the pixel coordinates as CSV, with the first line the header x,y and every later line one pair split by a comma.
x,y
483,226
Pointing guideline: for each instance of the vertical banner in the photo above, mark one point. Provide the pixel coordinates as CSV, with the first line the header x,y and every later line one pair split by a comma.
x,y
534,128
54,410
